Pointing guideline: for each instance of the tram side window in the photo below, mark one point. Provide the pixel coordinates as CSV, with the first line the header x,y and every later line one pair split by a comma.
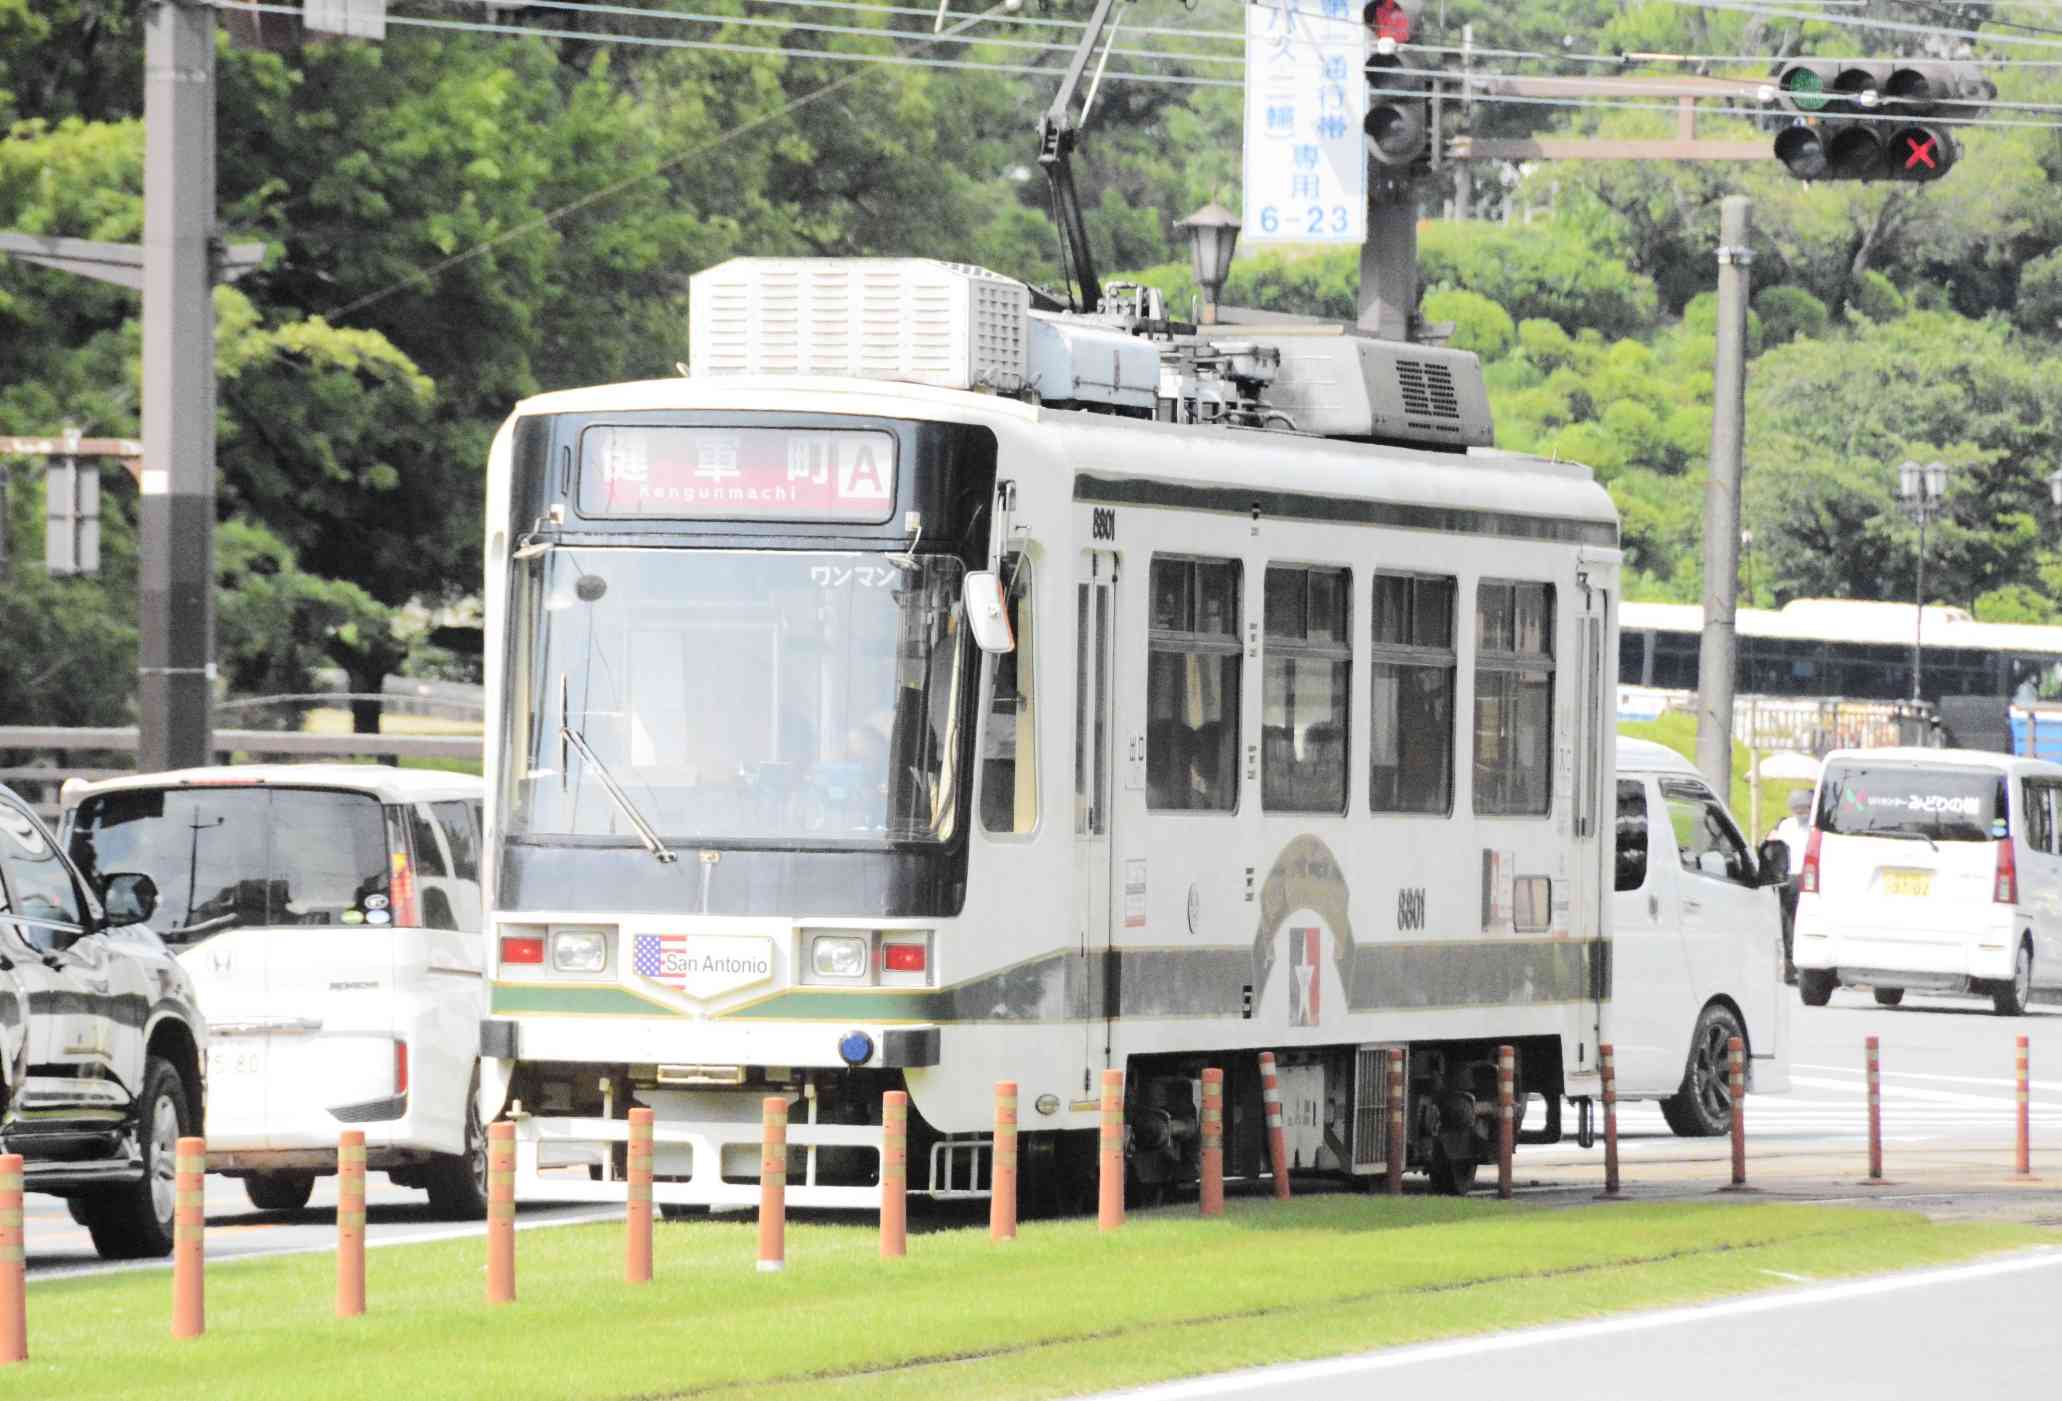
x,y
1411,689
1009,771
1192,686
1514,697
1304,690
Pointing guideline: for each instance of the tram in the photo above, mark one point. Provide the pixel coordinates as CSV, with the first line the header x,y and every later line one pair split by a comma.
x,y
925,689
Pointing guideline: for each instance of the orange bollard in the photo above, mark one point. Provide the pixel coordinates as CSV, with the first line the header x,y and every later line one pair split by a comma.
x,y
1211,1193
351,1223
773,1185
1875,1114
1277,1137
1606,1063
189,1217
14,1298
637,1245
501,1281
894,1175
1110,1201
1002,1174
1399,1146
1736,1082
2025,1162
1506,1117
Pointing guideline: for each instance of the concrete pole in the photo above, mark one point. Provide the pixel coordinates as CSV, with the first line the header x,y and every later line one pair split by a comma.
x,y
1389,259
175,597
1717,663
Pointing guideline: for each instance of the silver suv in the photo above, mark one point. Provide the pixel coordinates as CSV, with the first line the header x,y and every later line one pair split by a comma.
x,y
101,1045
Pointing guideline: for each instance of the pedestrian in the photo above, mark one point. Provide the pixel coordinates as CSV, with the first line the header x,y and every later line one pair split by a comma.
x,y
1794,832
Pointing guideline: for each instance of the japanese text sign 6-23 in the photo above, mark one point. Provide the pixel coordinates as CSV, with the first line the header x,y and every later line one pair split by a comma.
x,y
785,474
1306,155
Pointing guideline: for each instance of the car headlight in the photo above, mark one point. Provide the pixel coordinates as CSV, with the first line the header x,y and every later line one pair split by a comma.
x,y
838,956
579,951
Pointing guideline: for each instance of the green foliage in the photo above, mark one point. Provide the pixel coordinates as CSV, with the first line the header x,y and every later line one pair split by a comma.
x,y
1479,324
1789,312
1547,272
1877,298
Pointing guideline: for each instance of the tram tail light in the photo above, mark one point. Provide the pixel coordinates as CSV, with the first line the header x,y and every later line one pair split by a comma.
x,y
1808,878
903,958
522,948
2006,890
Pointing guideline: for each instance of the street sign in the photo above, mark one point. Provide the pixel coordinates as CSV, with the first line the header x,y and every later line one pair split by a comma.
x,y
1306,101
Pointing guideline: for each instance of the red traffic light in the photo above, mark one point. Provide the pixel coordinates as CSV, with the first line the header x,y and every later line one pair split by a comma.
x,y
1919,153
1388,20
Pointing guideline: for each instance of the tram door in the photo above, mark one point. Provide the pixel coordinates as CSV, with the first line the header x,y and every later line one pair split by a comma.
x,y
1094,623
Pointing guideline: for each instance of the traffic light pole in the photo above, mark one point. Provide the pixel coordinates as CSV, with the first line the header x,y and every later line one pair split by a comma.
x,y
1716,662
1388,298
176,508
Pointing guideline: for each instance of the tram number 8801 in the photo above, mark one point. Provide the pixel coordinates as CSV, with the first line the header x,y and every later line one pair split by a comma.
x,y
1410,907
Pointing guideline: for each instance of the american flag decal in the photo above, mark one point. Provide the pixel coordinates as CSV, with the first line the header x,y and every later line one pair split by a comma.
x,y
1305,977
663,958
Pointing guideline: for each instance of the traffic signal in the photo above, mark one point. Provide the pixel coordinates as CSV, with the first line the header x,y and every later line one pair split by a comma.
x,y
1853,120
1399,116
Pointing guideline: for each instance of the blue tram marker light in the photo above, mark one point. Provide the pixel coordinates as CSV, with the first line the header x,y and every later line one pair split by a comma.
x,y
855,1048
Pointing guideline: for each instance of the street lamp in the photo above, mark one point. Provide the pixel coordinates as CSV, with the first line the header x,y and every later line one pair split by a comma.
x,y
1213,232
1922,491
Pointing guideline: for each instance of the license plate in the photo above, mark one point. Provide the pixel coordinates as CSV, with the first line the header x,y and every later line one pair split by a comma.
x,y
1908,882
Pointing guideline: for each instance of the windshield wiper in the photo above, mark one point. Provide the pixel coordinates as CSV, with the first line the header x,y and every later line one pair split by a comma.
x,y
1912,834
621,799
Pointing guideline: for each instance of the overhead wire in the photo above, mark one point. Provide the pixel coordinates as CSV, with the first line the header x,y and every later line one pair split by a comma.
x,y
910,58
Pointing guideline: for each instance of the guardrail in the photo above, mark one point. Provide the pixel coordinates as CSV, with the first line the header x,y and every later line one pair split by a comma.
x,y
39,782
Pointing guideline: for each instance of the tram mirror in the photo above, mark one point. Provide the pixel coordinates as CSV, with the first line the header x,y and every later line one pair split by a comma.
x,y
987,612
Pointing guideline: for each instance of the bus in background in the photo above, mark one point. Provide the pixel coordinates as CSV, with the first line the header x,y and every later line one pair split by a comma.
x,y
927,691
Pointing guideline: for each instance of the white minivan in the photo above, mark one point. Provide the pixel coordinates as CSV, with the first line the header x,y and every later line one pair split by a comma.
x,y
1932,869
329,916
1696,946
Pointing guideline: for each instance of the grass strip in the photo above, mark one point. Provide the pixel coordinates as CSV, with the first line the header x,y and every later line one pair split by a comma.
x,y
1063,1310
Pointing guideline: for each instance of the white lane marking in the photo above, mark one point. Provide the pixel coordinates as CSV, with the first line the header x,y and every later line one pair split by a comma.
x,y
1785,1274
1283,1378
2003,1082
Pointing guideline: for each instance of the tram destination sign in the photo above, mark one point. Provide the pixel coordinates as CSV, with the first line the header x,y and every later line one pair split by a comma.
x,y
717,473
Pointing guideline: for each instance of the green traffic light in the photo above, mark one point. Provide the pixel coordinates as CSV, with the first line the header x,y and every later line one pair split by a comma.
x,y
1805,89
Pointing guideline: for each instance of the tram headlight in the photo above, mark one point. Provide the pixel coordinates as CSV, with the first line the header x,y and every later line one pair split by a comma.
x,y
839,955
579,951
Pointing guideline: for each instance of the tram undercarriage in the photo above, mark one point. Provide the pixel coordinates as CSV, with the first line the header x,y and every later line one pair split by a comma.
x,y
1335,1116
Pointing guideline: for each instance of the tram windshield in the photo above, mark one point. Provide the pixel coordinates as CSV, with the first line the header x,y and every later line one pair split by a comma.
x,y
736,697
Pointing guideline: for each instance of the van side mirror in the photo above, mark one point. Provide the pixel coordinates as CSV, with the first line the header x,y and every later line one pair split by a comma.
x,y
1775,861
130,897
988,612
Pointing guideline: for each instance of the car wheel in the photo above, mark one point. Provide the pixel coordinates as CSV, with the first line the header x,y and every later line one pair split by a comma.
x,y
458,1182
1703,1106
2011,998
1815,986
1889,997
279,1191
134,1221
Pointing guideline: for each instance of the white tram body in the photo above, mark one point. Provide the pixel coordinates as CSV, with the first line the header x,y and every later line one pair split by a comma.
x,y
1295,743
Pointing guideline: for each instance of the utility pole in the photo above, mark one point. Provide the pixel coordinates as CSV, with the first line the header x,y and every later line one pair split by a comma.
x,y
1717,659
175,585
